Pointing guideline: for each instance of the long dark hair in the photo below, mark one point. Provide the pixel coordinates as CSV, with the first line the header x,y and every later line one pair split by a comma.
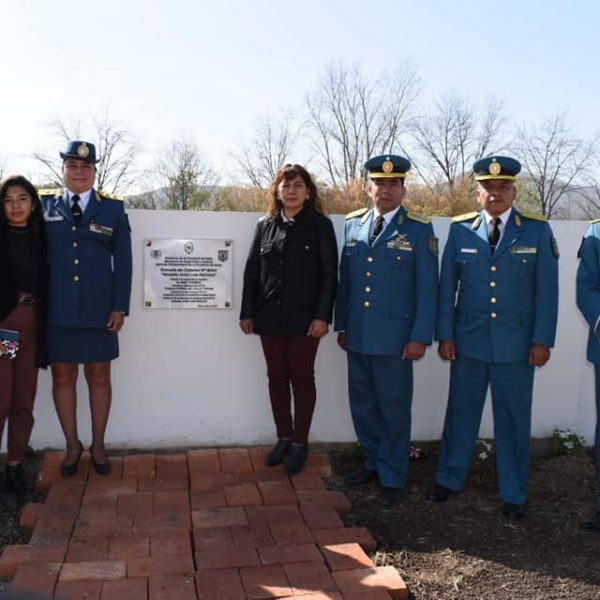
x,y
36,219
291,171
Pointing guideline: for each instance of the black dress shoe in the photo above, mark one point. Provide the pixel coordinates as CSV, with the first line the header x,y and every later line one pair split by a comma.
x,y
296,459
68,470
513,511
391,496
277,453
439,493
593,525
101,468
360,477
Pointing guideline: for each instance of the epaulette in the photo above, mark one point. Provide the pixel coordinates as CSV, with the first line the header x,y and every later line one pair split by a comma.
x,y
533,216
49,191
418,218
107,196
356,213
594,221
466,217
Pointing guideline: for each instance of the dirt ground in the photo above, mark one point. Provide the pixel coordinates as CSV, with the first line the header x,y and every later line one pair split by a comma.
x,y
464,548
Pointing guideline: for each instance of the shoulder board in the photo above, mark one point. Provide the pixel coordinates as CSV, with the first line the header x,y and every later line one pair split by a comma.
x,y
594,221
357,213
106,196
532,216
49,191
466,217
418,218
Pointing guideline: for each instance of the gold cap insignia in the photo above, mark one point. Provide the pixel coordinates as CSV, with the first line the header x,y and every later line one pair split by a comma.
x,y
494,168
83,151
387,166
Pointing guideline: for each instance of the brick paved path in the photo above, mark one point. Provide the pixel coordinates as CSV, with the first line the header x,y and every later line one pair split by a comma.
x,y
204,525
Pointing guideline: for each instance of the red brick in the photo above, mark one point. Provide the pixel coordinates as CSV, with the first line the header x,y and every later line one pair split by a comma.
x,y
89,526
53,458
265,582
279,554
245,494
222,558
292,533
211,482
172,587
33,511
160,565
129,546
257,477
139,466
277,492
208,538
371,595
64,491
93,570
171,466
116,471
125,589
171,502
336,500
258,454
87,549
252,537
309,577
46,477
320,464
200,500
219,584
106,487
371,580
203,460
78,590
234,460
135,505
341,557
284,513
321,517
150,523
327,596
163,485
98,506
13,556
346,535
52,531
308,482
175,541
35,581
219,517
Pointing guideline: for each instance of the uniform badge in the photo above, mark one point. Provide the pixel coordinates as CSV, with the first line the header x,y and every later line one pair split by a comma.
x,y
433,245
223,255
387,166
494,168
83,151
554,247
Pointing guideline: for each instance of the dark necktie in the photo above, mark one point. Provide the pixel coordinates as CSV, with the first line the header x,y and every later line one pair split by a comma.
x,y
76,209
495,233
377,229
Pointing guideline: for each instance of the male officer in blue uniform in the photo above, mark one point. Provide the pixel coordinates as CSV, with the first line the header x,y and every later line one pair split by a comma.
x,y
588,301
496,321
385,313
89,255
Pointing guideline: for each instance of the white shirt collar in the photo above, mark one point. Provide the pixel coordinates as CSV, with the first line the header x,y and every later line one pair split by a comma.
x,y
503,218
84,199
387,217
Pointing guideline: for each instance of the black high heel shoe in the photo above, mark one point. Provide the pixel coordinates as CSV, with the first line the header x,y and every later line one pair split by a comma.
x,y
101,468
68,470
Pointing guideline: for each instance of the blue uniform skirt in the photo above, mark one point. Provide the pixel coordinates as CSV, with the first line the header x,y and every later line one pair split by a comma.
x,y
82,344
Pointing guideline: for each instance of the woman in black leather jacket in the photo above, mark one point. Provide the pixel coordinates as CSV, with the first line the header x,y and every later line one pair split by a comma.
x,y
289,291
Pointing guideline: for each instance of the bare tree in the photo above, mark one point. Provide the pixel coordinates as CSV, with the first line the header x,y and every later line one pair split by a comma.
x,y
185,178
351,117
117,148
555,161
452,137
268,149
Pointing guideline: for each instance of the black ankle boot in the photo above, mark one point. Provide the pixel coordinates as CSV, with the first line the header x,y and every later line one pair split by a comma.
x,y
295,459
277,453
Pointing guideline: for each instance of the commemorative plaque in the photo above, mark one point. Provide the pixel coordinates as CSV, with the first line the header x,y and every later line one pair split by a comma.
x,y
187,273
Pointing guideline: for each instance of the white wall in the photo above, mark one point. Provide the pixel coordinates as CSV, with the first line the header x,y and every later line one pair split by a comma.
x,y
191,377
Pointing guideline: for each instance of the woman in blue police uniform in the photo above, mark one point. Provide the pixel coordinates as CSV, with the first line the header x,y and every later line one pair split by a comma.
x,y
588,301
385,313
89,255
497,313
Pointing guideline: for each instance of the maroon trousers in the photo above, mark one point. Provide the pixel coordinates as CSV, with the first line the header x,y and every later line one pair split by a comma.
x,y
291,360
18,381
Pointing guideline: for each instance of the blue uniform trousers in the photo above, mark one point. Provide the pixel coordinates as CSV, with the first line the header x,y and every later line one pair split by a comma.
x,y
597,441
512,390
380,391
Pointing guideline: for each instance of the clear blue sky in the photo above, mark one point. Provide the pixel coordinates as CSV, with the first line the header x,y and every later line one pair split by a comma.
x,y
208,69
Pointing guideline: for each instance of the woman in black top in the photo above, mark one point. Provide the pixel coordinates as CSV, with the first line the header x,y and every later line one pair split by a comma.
x,y
23,274
289,290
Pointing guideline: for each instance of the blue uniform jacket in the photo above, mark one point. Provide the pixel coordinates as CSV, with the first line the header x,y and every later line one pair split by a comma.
x,y
495,306
90,265
387,292
588,288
